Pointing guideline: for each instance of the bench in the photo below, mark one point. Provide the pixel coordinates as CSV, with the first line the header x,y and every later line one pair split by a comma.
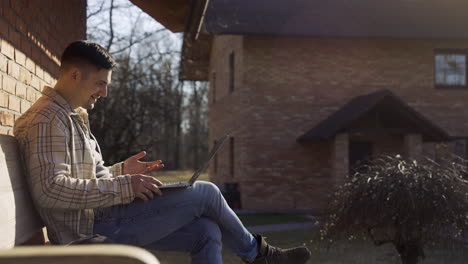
x,y
21,236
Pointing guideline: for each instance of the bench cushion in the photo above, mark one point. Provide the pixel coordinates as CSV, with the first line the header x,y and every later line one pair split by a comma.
x,y
19,220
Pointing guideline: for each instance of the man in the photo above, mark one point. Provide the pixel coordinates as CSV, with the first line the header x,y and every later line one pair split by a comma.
x,y
77,196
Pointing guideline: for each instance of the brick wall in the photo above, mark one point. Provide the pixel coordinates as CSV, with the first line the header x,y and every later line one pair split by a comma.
x,y
227,103
290,84
33,35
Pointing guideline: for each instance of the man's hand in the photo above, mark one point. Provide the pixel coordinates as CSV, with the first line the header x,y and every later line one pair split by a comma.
x,y
133,165
144,186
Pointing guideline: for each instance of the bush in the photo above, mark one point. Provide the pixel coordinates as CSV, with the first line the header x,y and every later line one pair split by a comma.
x,y
406,203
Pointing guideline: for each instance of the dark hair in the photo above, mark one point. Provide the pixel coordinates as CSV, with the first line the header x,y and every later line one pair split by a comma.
x,y
86,52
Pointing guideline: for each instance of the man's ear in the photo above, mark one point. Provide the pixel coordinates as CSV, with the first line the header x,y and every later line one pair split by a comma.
x,y
75,74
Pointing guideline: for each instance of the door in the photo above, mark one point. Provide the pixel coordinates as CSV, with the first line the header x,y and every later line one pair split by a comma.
x,y
359,153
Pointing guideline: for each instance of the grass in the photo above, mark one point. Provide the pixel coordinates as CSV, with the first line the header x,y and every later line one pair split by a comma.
x,y
272,218
343,252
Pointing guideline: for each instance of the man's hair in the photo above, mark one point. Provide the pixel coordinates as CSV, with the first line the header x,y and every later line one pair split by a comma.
x,y
84,53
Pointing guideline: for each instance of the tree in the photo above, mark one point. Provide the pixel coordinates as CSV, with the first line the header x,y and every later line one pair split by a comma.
x,y
407,204
147,104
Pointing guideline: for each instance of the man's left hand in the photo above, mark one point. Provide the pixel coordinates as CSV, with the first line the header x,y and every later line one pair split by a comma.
x,y
133,165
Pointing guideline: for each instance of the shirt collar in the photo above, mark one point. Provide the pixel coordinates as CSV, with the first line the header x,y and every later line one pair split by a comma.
x,y
55,96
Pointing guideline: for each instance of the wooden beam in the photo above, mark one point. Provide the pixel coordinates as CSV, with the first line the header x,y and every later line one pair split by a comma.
x,y
172,14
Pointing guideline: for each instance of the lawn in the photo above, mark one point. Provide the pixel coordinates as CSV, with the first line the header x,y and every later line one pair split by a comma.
x,y
342,252
358,252
273,218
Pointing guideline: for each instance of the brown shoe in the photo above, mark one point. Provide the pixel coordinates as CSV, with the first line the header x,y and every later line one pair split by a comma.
x,y
273,255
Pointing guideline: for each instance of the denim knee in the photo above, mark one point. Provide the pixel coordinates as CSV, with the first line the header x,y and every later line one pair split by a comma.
x,y
208,233
209,229
207,188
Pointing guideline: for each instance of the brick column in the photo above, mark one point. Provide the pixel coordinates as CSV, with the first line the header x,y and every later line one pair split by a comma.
x,y
413,146
340,157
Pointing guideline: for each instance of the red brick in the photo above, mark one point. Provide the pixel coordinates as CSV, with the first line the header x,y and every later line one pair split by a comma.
x,y
7,49
13,69
20,58
30,65
21,26
18,7
25,105
9,15
3,99
14,36
3,28
7,118
39,71
38,95
14,103
21,90
9,84
35,82
30,94
47,78
24,76
26,45
3,63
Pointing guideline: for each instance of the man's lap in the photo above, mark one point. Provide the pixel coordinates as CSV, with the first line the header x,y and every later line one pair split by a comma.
x,y
143,222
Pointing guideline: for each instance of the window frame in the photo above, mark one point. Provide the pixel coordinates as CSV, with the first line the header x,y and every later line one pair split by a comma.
x,y
451,51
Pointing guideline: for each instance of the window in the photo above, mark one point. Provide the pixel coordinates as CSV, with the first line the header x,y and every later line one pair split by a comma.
x,y
231,157
213,86
231,71
450,69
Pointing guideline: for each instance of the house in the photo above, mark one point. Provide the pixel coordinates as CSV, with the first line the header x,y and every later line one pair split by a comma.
x,y
309,88
306,88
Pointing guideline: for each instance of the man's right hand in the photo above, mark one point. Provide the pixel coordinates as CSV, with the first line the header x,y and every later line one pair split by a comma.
x,y
144,186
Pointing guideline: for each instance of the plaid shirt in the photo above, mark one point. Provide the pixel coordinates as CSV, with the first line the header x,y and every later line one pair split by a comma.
x,y
66,175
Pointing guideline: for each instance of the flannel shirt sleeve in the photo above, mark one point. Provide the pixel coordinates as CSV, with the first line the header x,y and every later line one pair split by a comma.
x,y
116,169
49,163
107,171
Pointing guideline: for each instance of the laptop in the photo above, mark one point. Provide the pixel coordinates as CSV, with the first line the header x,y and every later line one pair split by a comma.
x,y
198,172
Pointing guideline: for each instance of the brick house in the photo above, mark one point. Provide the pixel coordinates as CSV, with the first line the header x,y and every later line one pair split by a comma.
x,y
308,89
279,79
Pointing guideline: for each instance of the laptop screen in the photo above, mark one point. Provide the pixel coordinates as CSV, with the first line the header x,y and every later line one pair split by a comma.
x,y
212,153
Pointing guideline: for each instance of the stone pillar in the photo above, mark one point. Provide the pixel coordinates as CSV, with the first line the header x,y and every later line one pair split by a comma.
x,y
340,158
413,146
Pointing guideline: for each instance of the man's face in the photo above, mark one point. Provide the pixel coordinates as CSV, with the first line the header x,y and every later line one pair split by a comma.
x,y
92,86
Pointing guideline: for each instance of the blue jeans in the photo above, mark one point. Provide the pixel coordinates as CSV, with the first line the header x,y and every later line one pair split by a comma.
x,y
195,219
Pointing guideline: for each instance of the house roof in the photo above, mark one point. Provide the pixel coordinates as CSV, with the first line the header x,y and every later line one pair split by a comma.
x,y
195,61
339,18
394,112
175,15
410,19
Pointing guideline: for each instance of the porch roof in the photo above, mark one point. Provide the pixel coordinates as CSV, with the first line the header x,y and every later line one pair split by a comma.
x,y
384,106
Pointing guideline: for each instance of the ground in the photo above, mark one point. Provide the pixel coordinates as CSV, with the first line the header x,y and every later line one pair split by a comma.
x,y
356,252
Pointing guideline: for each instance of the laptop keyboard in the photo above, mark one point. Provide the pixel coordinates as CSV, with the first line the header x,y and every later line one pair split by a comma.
x,y
172,183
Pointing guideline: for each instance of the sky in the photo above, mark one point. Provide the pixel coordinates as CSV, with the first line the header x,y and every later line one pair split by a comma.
x,y
125,15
